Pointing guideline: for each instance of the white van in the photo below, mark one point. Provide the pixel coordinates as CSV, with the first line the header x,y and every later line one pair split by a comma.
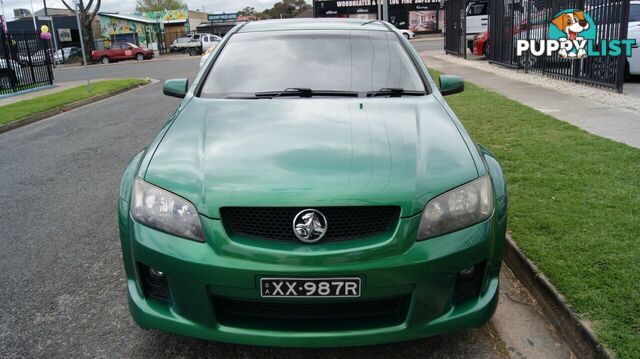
x,y
477,18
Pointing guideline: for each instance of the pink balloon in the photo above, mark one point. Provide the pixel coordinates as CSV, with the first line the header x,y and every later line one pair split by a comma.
x,y
45,35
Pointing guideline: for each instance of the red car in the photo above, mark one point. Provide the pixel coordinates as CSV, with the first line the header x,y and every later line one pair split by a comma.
x,y
122,51
480,45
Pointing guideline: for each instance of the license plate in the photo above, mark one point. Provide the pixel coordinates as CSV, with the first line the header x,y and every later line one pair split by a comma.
x,y
309,287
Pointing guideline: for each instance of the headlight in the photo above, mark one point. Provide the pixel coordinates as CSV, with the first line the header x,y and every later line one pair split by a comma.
x,y
459,208
165,211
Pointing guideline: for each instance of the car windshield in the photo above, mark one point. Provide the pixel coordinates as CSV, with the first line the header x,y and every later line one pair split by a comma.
x,y
356,61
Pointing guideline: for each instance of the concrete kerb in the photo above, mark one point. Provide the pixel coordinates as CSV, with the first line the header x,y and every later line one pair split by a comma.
x,y
574,330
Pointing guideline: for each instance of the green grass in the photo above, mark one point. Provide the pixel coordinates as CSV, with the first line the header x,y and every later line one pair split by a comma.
x,y
574,208
24,108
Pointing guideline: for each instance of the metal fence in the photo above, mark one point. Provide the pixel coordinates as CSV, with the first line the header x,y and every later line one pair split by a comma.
x,y
25,62
512,20
455,30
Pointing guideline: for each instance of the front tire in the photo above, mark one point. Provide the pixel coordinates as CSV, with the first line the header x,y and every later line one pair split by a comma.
x,y
407,36
139,57
105,59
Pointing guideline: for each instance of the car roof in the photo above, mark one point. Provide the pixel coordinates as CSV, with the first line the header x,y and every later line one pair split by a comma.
x,y
314,24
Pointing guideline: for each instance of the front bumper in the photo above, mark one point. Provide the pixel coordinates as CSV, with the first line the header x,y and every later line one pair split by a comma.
x,y
425,272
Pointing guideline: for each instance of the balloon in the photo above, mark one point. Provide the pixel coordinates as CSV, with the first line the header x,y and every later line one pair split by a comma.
x,y
45,35
44,28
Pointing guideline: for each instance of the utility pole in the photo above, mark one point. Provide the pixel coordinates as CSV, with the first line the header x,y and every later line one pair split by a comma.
x,y
385,10
53,32
84,55
33,17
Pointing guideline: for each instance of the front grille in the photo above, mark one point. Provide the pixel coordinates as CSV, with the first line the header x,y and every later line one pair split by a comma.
x,y
355,314
343,223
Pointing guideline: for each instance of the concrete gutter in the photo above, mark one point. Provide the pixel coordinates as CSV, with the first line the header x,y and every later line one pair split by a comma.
x,y
575,331
43,115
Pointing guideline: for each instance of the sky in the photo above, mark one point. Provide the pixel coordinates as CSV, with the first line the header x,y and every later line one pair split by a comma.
x,y
128,6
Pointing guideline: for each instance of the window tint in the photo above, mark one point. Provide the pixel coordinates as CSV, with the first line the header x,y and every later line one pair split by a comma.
x,y
324,60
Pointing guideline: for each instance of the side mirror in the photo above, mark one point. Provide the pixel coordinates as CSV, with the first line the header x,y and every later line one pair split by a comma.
x,y
176,87
450,84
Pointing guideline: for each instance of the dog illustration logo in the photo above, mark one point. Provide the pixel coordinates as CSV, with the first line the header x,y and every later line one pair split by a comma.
x,y
572,26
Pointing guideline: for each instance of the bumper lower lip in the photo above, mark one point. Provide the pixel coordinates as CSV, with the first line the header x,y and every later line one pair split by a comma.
x,y
424,271
153,315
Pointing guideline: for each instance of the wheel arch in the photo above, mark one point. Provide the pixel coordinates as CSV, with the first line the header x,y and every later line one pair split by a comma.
x,y
500,192
124,197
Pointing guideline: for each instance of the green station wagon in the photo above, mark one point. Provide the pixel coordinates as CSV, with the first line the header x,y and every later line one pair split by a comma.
x,y
313,189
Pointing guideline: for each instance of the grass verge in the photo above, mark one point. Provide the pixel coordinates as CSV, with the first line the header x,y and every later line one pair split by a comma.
x,y
574,208
32,106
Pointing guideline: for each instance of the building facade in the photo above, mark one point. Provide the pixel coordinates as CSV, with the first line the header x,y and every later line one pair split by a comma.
x,y
127,28
420,16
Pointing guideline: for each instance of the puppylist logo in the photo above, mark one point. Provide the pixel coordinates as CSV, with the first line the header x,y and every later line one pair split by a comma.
x,y
572,35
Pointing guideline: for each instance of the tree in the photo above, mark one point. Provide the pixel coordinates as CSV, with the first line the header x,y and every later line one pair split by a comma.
x,y
86,16
282,9
158,5
287,9
248,11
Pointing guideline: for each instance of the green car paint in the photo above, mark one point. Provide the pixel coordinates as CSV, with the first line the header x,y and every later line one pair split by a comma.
x,y
313,153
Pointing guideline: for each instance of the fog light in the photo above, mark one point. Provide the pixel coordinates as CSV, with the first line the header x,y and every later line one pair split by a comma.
x,y
468,282
467,272
155,283
156,277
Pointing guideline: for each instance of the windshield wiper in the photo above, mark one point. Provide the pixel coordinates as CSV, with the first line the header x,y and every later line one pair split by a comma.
x,y
304,92
394,92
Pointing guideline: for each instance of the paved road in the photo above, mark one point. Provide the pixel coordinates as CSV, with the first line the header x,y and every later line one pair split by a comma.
x,y
61,278
428,44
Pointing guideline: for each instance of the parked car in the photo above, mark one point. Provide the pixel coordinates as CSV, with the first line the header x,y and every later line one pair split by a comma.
x,y
179,44
301,198
123,51
36,58
408,34
209,41
66,53
480,45
10,72
477,19
195,44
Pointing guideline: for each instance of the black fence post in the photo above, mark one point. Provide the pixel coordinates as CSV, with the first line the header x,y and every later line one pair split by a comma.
x,y
463,26
528,30
622,60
